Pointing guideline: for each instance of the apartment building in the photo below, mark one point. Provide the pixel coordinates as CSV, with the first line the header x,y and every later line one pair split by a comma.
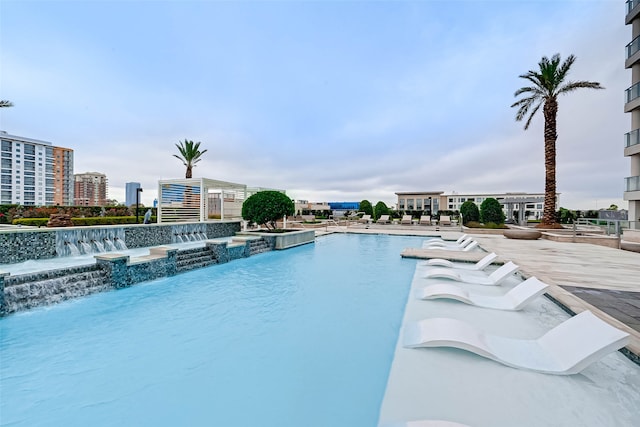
x,y
34,172
90,189
632,105
434,201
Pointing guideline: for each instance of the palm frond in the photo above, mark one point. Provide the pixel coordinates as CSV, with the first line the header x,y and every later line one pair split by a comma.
x,y
571,86
533,113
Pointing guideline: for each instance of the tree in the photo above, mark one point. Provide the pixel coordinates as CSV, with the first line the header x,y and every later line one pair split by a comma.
x,y
5,103
189,155
548,83
613,207
491,211
365,206
380,209
267,207
469,211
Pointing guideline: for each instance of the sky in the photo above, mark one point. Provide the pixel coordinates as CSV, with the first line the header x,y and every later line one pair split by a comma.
x,y
328,100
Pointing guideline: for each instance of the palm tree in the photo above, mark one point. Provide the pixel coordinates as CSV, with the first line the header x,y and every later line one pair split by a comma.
x,y
548,83
189,155
5,103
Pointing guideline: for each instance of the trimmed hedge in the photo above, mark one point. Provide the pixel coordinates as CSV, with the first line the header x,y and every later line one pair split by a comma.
x,y
79,222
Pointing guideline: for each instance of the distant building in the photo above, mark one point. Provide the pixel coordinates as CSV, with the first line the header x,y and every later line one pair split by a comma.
x,y
90,189
34,172
431,202
130,193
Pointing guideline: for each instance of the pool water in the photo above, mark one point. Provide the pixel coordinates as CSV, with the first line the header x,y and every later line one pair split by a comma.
x,y
302,337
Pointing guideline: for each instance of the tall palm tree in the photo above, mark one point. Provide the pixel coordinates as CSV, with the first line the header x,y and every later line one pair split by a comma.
x,y
548,83
5,103
189,155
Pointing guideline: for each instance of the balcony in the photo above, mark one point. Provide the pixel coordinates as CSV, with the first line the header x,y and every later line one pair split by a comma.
x,y
632,142
633,47
632,10
632,183
632,98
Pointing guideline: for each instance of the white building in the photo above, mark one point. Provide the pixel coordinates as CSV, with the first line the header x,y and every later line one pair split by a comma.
x,y
632,105
33,172
431,202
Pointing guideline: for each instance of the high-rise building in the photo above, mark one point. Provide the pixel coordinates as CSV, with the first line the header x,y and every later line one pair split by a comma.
x,y
90,189
63,176
632,105
130,193
28,172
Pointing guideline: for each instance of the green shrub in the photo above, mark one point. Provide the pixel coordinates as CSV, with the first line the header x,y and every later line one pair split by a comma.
x,y
380,209
267,207
365,206
31,222
491,211
470,212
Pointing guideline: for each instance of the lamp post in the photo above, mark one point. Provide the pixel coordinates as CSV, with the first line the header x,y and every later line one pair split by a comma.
x,y
138,191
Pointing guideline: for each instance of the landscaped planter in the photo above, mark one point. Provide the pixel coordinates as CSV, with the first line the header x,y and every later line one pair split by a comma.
x,y
522,234
287,239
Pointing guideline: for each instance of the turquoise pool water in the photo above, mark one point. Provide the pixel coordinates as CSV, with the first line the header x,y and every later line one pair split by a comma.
x,y
303,337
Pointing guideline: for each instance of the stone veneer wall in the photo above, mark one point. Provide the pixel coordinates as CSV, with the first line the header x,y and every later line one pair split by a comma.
x,y
40,243
111,271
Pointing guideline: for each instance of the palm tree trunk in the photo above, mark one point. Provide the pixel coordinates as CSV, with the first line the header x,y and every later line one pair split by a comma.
x,y
189,173
549,212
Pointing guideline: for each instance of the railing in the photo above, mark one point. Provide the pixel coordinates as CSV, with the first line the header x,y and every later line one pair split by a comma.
x,y
632,138
632,183
631,4
633,47
607,226
633,92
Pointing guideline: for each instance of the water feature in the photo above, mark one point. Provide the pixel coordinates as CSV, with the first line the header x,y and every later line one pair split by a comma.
x,y
120,244
73,249
86,248
99,246
109,245
274,340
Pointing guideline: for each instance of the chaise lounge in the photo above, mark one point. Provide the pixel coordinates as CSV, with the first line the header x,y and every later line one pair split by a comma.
x,y
406,220
514,300
480,265
564,350
384,219
493,279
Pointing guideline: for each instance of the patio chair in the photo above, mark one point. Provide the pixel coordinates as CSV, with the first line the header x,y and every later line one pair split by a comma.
x,y
565,350
480,265
384,219
480,278
366,219
516,299
425,220
445,220
472,245
406,220
458,244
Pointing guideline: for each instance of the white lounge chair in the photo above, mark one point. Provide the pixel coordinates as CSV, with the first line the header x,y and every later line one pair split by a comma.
x,y
493,279
516,299
466,248
443,243
384,219
444,220
480,265
406,219
564,350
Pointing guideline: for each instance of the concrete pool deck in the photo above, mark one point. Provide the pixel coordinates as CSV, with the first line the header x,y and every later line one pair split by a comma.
x,y
582,276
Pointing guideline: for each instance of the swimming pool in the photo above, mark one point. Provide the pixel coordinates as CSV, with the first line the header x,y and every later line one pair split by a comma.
x,y
289,338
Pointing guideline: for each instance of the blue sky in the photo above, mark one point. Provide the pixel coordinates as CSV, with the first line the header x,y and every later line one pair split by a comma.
x,y
330,100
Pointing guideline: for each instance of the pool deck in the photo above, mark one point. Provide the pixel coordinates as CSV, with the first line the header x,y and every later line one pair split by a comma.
x,y
582,277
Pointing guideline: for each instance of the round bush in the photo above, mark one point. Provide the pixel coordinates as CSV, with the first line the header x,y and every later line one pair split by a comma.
x,y
267,207
470,212
491,211
365,206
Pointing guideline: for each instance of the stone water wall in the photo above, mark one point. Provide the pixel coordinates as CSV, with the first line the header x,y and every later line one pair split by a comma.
x,y
111,271
42,243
